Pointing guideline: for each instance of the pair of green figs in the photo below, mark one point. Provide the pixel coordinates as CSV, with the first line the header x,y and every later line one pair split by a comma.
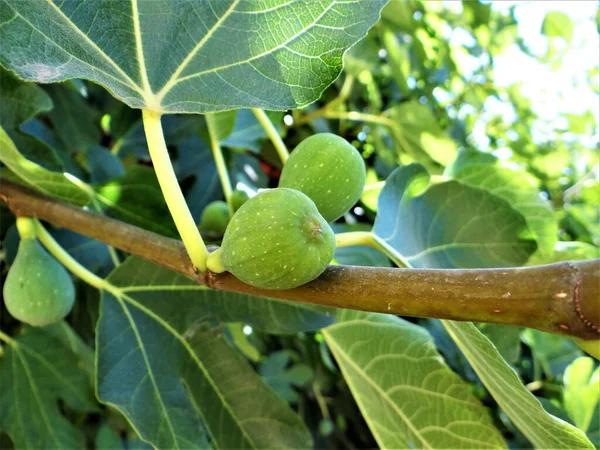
x,y
279,239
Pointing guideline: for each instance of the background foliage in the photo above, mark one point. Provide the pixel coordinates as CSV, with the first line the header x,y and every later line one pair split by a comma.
x,y
177,365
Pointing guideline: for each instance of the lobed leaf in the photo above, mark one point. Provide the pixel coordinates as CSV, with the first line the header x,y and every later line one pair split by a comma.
x,y
173,377
38,368
190,56
409,397
541,428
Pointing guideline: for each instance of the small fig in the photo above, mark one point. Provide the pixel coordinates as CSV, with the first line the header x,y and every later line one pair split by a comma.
x,y
38,290
238,198
327,169
277,240
215,218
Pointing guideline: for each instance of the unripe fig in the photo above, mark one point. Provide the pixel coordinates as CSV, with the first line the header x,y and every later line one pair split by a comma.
x,y
327,169
38,290
277,240
215,218
238,198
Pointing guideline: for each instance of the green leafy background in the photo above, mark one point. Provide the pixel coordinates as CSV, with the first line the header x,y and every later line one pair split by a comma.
x,y
159,361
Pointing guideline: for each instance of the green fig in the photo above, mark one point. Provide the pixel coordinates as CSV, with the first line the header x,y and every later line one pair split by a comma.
x,y
277,240
38,290
238,198
215,218
327,169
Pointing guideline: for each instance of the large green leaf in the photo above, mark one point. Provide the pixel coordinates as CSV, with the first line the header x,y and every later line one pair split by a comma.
x,y
406,393
53,184
162,366
520,190
20,100
39,368
187,56
541,428
449,224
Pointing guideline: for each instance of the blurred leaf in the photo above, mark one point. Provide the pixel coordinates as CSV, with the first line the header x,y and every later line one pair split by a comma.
x,y
136,198
248,133
541,428
176,129
469,157
20,100
398,58
40,131
553,353
108,439
42,366
363,56
358,255
476,13
53,184
170,375
565,251
558,24
419,131
103,165
449,224
400,15
92,254
242,342
282,377
520,191
407,395
280,57
76,123
224,123
582,391
195,160
506,339
36,151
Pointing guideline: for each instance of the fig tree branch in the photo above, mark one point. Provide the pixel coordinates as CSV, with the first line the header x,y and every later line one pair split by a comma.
x,y
561,298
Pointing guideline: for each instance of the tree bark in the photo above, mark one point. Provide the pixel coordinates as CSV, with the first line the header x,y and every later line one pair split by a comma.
x,y
561,298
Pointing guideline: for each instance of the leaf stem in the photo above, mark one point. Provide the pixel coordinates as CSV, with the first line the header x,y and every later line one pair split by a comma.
x,y
6,338
273,134
354,238
372,240
219,160
172,192
67,260
373,187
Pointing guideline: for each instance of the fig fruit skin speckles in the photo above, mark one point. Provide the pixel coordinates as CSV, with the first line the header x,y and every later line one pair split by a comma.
x,y
327,169
38,290
277,240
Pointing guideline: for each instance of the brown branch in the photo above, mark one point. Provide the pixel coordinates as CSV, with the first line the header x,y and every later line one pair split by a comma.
x,y
561,298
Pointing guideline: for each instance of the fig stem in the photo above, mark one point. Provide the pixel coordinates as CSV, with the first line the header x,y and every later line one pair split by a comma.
x,y
61,255
273,134
186,226
214,263
215,146
26,227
